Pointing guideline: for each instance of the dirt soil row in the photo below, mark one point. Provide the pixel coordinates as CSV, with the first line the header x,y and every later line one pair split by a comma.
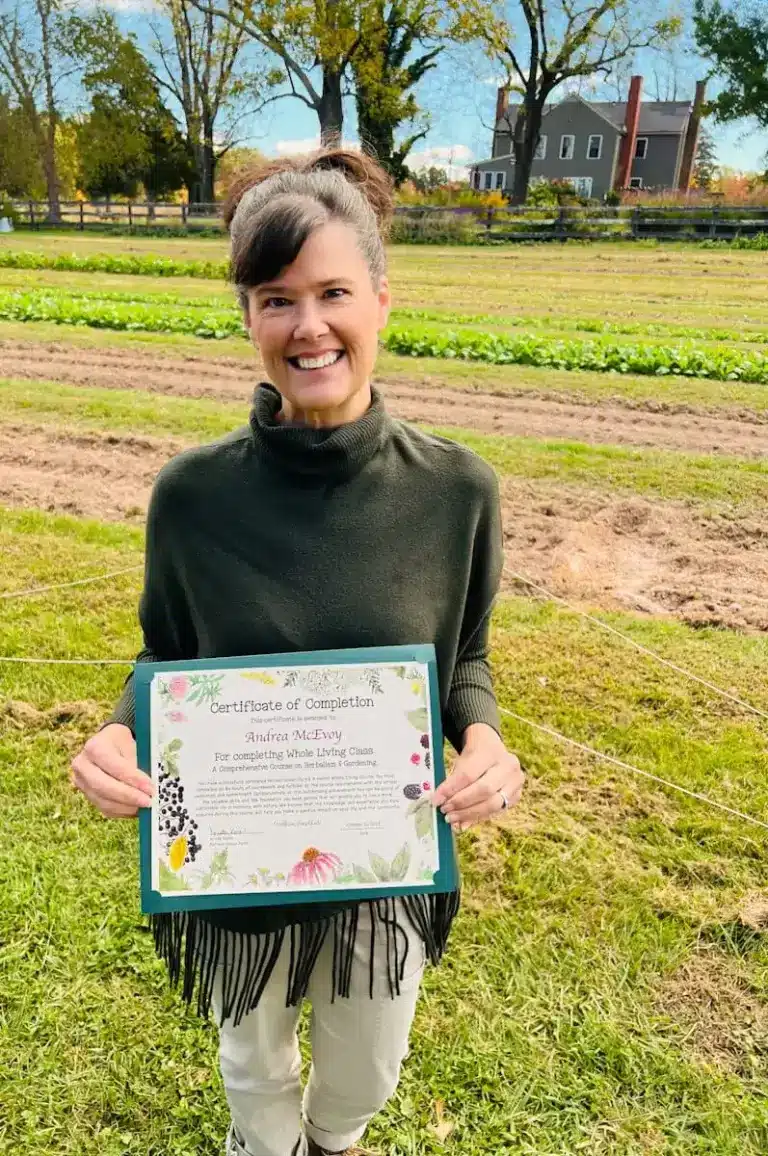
x,y
521,414
661,558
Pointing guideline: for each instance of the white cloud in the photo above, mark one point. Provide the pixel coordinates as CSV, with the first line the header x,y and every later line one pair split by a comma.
x,y
286,148
455,159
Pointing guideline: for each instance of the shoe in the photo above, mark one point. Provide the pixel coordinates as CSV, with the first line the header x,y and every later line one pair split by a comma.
x,y
236,1147
314,1149
233,1145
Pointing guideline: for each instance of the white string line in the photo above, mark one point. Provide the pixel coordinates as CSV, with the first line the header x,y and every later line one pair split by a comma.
x,y
72,661
64,585
635,770
637,645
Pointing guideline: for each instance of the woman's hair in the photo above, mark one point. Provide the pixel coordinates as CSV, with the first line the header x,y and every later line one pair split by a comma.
x,y
272,209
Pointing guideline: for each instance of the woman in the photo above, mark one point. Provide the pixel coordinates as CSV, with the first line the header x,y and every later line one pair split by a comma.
x,y
324,524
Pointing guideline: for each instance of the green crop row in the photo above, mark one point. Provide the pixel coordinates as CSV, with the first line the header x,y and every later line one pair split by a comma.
x,y
587,325
496,349
595,325
128,316
148,264
605,357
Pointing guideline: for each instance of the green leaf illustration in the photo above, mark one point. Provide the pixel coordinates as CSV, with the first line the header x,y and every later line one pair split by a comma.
x,y
423,815
362,875
170,881
419,718
380,867
401,863
400,671
174,746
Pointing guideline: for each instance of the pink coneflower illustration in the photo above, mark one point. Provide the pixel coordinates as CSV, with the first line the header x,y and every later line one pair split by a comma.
x,y
178,687
314,867
415,759
426,786
176,716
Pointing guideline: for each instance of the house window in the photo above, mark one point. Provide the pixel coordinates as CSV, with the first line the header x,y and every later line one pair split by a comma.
x,y
641,148
476,179
635,182
582,185
567,146
501,180
595,147
488,180
541,149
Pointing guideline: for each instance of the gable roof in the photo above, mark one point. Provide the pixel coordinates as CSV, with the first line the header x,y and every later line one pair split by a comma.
x,y
657,116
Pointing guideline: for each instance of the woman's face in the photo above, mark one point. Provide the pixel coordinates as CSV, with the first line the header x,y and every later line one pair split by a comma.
x,y
316,327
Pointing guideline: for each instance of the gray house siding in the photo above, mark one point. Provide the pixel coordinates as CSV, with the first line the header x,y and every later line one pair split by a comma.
x,y
659,168
572,118
663,124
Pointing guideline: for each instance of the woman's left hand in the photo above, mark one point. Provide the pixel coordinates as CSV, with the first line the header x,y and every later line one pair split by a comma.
x,y
484,776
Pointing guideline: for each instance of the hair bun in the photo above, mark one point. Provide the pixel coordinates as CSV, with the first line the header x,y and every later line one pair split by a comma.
x,y
358,168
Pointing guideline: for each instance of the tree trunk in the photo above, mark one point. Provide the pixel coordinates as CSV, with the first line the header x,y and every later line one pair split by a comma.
x,y
51,173
526,139
376,136
330,110
49,150
207,169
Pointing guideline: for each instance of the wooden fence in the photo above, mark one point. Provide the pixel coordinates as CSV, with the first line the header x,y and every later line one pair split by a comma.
x,y
511,223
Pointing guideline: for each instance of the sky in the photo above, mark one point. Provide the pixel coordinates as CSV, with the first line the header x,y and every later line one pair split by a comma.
x,y
459,98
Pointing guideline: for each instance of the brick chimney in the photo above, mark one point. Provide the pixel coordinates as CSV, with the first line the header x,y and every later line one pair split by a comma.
x,y
502,104
691,143
629,142
502,107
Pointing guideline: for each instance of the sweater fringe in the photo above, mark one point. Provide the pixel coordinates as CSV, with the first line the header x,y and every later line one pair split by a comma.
x,y
194,949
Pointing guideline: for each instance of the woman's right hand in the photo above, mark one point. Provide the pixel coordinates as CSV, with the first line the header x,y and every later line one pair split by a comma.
x,y
107,773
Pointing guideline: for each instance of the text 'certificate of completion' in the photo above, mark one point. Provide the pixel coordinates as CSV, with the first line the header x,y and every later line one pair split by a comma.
x,y
291,778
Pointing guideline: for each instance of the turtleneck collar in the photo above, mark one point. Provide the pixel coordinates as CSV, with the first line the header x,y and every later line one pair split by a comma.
x,y
324,454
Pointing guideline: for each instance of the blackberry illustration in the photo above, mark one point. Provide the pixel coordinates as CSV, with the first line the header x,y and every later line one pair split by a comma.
x,y
412,791
424,740
176,823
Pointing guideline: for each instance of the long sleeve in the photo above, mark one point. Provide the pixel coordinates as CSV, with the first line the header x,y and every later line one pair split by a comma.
x,y
163,614
471,698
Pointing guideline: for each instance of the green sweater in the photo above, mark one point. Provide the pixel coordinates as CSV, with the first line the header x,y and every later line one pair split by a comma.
x,y
281,538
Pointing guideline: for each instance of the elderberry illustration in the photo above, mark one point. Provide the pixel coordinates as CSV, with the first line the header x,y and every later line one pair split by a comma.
x,y
412,791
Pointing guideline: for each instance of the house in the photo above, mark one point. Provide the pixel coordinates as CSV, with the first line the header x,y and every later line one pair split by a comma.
x,y
601,145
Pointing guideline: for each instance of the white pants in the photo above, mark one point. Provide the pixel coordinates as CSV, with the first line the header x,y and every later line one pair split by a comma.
x,y
358,1045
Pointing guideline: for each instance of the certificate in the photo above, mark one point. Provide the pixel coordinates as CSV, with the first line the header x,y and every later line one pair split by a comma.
x,y
291,778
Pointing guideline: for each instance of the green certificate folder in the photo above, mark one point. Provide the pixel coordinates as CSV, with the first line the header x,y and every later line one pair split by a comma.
x,y
291,778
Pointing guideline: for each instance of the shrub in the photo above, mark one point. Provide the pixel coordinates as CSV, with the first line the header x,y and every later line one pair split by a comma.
x,y
435,229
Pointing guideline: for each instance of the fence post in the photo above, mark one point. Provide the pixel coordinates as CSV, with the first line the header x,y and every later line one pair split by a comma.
x,y
32,214
184,212
489,221
81,225
713,223
130,215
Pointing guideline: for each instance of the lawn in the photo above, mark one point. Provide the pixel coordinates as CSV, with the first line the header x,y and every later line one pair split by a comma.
x,y
606,990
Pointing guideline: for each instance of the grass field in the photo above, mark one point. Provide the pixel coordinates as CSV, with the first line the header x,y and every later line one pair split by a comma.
x,y
606,991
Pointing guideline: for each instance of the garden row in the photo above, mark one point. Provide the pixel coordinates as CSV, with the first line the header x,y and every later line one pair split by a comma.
x,y
225,312
497,349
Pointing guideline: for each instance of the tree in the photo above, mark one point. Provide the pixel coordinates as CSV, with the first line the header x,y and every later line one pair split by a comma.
x,y
202,62
340,40
385,73
560,40
21,172
737,45
429,180
705,169
129,138
34,62
307,36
